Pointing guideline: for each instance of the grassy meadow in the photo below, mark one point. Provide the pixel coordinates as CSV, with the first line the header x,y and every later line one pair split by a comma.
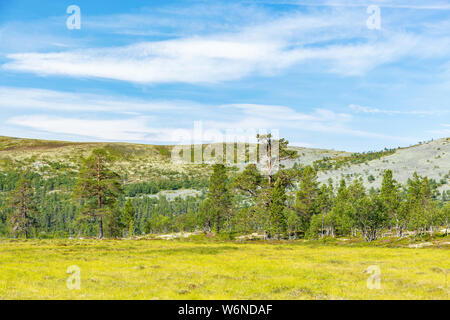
x,y
183,269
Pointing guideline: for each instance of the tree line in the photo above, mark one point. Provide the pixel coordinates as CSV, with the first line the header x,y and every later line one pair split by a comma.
x,y
292,204
290,209
286,204
94,202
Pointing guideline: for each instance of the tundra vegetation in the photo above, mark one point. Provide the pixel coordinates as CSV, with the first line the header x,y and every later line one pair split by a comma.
x,y
202,268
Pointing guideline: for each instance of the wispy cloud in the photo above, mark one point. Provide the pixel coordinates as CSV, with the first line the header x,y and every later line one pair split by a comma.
x,y
287,67
160,122
444,132
265,49
402,4
40,99
122,130
363,109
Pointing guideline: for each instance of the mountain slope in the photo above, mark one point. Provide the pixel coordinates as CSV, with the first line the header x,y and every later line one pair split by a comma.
x,y
430,159
139,162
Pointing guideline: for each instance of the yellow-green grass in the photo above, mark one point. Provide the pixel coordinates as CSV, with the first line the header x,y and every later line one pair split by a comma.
x,y
152,269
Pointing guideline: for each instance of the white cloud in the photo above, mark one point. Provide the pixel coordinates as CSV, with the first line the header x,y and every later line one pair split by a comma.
x,y
138,129
129,129
161,122
282,113
363,109
263,49
406,4
40,99
445,132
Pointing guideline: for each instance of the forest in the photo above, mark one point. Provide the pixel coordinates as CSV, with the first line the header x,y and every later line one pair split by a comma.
x,y
287,204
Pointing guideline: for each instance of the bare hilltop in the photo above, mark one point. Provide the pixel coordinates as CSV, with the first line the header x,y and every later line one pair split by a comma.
x,y
140,162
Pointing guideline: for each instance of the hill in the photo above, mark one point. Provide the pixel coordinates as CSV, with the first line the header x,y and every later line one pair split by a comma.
x,y
140,163
431,159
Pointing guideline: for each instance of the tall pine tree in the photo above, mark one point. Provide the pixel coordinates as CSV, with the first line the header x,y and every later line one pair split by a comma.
x,y
277,210
219,198
23,213
97,187
306,203
390,197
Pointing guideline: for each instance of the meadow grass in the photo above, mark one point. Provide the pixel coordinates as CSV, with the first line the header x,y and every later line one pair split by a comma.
x,y
159,269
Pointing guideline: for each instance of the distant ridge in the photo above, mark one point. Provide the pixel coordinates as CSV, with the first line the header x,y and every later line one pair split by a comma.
x,y
138,161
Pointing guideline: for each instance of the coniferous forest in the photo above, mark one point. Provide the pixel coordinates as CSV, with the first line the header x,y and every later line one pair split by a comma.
x,y
288,204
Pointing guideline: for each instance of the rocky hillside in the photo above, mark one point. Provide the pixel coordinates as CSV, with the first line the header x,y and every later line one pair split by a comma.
x,y
430,159
144,162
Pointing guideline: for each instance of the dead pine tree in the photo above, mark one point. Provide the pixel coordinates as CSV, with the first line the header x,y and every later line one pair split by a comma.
x,y
275,152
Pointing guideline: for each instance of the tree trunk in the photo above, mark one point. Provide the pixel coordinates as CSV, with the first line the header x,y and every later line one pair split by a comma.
x,y
25,216
446,226
100,226
99,200
269,161
321,231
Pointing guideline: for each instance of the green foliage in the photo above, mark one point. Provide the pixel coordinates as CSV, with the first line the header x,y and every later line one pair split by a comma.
x,y
277,207
97,187
219,198
328,163
22,214
163,151
291,203
306,201
128,217
371,216
113,222
174,183
391,198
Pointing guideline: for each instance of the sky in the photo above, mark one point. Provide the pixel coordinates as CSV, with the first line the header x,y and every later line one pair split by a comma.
x,y
343,75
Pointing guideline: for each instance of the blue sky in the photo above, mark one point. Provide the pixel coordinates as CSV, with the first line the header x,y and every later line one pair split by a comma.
x,y
146,71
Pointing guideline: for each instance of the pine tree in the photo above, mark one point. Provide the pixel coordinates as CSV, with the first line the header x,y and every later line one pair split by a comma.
x,y
113,222
219,198
128,218
371,216
429,206
325,204
277,210
97,187
348,221
339,208
421,207
206,216
23,214
266,141
445,217
306,201
390,196
248,181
